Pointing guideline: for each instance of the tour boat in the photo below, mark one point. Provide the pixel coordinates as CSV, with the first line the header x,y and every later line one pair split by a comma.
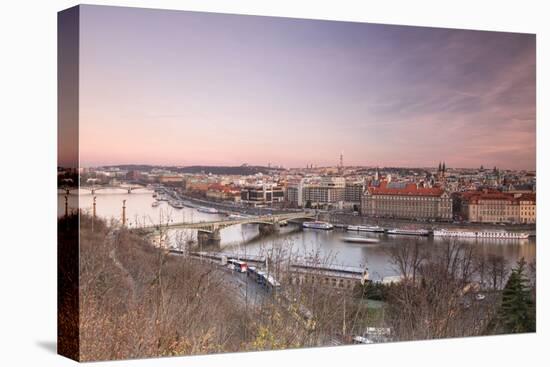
x,y
481,234
176,204
366,229
206,210
236,216
318,225
409,232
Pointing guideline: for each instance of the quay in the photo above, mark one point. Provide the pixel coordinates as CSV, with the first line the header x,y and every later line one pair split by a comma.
x,y
300,272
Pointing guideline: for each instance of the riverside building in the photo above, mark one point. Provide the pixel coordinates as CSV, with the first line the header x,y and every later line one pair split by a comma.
x,y
329,190
492,206
407,201
259,195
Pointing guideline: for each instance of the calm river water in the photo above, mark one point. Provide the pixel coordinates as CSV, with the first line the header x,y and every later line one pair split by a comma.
x,y
290,239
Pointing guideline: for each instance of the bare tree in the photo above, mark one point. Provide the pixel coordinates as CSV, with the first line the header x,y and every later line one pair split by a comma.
x,y
439,302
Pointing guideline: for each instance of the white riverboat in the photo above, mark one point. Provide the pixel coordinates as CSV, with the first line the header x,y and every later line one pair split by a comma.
x,y
481,234
236,216
318,225
176,204
409,232
206,210
375,229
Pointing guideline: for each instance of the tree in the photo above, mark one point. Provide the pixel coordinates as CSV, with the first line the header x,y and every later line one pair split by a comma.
x,y
517,311
435,297
496,267
407,259
372,290
308,204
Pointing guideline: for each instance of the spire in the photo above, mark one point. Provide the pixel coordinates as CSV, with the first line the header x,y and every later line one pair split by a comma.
x,y
443,168
439,167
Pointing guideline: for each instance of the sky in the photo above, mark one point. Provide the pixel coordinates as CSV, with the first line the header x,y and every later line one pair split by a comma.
x,y
188,88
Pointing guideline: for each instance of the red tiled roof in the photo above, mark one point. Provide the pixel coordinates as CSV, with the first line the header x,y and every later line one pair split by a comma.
x,y
216,187
528,197
409,190
475,196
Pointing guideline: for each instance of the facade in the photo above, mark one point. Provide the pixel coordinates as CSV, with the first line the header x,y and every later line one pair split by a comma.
x,y
292,193
527,208
354,191
337,278
295,193
133,175
170,179
407,202
218,192
497,207
330,190
262,194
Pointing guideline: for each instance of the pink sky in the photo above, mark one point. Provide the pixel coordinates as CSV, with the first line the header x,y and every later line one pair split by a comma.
x,y
184,88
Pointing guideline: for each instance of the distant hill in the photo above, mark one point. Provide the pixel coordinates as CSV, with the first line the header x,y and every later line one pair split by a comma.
x,y
216,170
227,170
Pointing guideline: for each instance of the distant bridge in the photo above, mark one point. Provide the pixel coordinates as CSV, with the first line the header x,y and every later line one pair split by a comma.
x,y
209,232
94,189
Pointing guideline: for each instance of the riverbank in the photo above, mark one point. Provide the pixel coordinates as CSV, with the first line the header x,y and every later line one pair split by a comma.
x,y
230,208
346,219
349,219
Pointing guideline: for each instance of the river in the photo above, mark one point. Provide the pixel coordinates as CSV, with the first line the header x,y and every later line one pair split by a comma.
x,y
290,239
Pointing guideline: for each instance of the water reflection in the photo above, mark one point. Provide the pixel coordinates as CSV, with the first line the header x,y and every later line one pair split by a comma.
x,y
290,239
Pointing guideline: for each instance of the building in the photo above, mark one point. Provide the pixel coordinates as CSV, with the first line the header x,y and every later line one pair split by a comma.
x,y
330,190
170,179
343,278
259,195
354,191
492,206
218,192
527,208
406,201
133,175
197,187
295,193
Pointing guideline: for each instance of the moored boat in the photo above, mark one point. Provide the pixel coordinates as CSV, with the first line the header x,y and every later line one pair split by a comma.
x,y
375,229
409,232
481,234
236,216
206,210
176,204
318,225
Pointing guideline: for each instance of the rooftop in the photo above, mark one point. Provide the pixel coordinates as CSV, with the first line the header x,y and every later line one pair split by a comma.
x,y
409,189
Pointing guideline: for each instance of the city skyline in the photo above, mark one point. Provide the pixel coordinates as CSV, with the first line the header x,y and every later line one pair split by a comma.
x,y
311,165
177,88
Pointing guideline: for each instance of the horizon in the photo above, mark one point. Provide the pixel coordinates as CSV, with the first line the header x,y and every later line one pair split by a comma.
x,y
277,166
176,87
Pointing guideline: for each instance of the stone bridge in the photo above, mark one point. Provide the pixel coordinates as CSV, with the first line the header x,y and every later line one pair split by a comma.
x,y
94,189
209,232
